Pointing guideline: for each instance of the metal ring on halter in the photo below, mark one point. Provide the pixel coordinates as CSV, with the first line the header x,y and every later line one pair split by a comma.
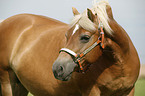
x,y
101,32
100,25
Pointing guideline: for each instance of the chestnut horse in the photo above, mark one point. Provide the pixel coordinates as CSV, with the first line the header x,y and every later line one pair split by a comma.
x,y
107,64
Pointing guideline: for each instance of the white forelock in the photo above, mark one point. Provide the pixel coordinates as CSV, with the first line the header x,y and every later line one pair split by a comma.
x,y
98,8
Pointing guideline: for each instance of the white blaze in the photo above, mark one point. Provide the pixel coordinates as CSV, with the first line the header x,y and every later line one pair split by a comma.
x,y
76,28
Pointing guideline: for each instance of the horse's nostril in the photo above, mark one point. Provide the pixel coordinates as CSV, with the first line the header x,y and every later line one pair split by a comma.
x,y
60,71
60,68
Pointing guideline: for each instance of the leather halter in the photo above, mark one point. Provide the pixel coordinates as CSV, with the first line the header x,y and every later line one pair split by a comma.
x,y
77,58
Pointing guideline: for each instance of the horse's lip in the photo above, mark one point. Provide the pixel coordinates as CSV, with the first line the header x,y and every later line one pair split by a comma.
x,y
67,77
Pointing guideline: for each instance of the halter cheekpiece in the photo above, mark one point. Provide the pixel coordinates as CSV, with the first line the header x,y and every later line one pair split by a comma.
x,y
78,58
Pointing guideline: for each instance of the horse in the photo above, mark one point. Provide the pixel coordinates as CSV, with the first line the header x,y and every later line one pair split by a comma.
x,y
30,60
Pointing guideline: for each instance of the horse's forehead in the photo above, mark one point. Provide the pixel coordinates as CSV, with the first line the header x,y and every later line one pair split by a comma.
x,y
77,27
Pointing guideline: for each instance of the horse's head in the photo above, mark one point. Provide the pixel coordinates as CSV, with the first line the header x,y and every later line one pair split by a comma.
x,y
85,41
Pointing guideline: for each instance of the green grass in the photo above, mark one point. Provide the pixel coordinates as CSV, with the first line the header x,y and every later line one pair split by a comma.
x,y
30,94
139,88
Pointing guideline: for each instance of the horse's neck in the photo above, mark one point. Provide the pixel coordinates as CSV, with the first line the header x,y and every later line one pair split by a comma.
x,y
119,36
117,48
119,43
116,51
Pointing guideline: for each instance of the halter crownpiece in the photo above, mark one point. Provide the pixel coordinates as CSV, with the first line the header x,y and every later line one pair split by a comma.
x,y
78,57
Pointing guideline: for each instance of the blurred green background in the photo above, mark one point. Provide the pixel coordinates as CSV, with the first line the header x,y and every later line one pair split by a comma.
x,y
140,87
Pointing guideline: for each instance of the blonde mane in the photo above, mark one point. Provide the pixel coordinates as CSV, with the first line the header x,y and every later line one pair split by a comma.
x,y
98,8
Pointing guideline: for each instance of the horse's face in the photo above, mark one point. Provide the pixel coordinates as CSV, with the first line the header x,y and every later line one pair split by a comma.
x,y
78,40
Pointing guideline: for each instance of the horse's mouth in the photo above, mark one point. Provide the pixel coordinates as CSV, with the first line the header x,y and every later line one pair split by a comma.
x,y
63,77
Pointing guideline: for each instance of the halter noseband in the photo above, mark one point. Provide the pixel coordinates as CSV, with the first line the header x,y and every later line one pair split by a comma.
x,y
78,57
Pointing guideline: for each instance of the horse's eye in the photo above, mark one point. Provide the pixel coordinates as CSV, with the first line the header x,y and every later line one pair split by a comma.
x,y
85,38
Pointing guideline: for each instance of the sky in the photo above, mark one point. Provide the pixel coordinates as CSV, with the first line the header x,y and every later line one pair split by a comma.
x,y
130,14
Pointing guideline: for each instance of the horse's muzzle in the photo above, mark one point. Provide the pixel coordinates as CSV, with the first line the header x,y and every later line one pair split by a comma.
x,y
63,68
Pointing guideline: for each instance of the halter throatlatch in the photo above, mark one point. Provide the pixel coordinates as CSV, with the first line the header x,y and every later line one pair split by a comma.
x,y
78,58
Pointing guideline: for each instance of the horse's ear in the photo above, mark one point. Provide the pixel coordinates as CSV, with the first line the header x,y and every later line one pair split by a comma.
x,y
90,14
75,11
109,12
